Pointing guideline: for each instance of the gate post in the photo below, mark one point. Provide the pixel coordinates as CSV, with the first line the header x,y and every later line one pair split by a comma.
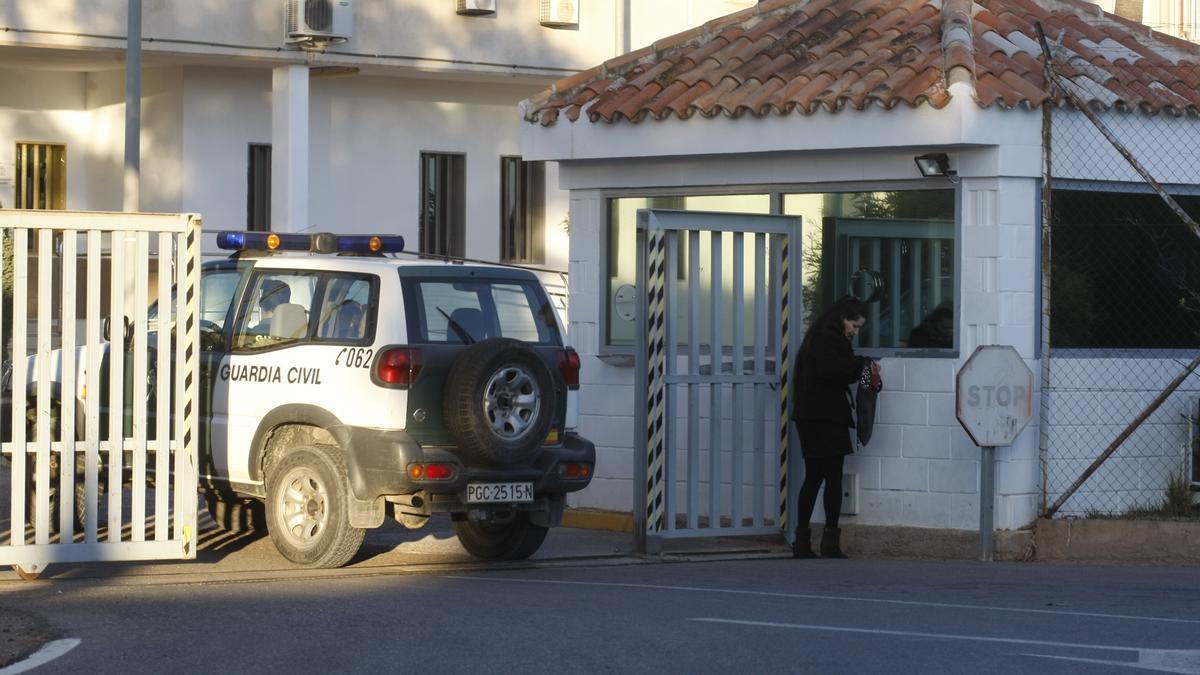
x,y
652,429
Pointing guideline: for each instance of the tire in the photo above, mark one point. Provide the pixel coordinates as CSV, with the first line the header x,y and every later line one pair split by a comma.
x,y
499,401
307,508
31,503
79,506
516,539
235,514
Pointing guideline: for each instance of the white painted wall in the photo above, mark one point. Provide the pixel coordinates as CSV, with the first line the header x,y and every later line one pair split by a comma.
x,y
652,21
397,34
1166,146
87,113
367,134
224,110
43,108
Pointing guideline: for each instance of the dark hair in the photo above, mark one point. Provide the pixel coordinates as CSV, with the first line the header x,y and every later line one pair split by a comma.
x,y
847,308
274,294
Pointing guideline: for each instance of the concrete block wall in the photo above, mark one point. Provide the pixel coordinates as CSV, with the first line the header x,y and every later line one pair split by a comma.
x,y
1092,401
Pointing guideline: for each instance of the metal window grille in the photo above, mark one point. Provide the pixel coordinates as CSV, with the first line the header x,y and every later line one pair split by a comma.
x,y
258,188
522,211
41,176
443,204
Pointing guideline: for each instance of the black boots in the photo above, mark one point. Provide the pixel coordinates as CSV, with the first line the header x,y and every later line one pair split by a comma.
x,y
802,545
831,546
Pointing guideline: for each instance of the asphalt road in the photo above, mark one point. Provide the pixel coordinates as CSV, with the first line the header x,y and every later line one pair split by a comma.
x,y
622,614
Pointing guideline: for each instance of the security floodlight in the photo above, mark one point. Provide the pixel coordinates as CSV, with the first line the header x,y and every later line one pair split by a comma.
x,y
934,164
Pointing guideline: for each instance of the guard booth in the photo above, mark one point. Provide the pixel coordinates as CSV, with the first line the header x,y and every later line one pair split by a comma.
x,y
717,334
98,438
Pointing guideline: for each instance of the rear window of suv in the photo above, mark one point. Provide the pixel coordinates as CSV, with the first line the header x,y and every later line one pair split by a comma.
x,y
455,311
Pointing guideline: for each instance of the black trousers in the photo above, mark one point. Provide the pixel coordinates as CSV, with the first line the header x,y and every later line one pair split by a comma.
x,y
827,470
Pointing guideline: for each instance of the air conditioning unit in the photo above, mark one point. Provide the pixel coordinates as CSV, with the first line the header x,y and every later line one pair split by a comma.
x,y
318,21
559,13
476,7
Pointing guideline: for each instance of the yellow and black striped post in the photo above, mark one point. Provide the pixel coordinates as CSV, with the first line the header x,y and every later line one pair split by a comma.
x,y
784,376
656,374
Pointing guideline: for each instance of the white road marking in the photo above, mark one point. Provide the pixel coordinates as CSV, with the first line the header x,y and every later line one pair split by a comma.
x,y
1172,663
832,598
48,652
1165,660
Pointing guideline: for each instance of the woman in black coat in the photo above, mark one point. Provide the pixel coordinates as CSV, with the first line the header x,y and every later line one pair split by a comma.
x,y
825,368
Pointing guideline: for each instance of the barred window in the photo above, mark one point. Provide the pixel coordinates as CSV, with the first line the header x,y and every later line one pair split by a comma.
x,y
522,211
1124,271
443,204
41,176
258,188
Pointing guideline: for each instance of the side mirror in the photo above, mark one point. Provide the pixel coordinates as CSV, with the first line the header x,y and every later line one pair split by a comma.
x,y
126,332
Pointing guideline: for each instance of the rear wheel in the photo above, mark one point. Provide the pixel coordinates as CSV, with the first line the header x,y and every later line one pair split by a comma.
x,y
307,514
54,501
514,539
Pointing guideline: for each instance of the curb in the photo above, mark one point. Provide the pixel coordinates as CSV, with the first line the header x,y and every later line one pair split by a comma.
x,y
594,519
1118,541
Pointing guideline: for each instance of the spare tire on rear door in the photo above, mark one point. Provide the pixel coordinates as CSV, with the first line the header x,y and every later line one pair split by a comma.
x,y
499,401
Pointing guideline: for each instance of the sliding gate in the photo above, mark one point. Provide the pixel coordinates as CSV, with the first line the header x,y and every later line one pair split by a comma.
x,y
717,332
98,439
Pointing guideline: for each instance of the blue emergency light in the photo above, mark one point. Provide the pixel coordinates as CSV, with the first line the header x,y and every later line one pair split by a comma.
x,y
316,243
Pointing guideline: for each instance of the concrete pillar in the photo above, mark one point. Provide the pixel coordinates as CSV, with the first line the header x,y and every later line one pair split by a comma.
x,y
289,149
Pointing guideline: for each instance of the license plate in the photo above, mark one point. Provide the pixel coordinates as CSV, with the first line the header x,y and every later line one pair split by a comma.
x,y
507,493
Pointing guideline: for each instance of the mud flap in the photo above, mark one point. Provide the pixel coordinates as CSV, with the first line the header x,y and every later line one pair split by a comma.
x,y
553,515
367,514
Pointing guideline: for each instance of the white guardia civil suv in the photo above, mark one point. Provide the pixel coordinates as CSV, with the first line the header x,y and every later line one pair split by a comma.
x,y
340,383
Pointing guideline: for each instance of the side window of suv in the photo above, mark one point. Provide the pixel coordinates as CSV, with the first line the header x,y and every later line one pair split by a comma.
x,y
275,311
346,308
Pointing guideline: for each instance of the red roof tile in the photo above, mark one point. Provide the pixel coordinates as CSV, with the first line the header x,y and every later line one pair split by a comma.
x,y
783,55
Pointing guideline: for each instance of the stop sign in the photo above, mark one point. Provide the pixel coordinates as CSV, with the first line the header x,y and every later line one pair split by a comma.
x,y
994,395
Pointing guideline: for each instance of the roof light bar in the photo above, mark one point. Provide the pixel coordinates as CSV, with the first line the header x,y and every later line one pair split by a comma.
x,y
262,241
370,244
323,242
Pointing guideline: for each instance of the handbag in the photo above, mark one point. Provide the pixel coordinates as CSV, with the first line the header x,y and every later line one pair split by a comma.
x,y
865,395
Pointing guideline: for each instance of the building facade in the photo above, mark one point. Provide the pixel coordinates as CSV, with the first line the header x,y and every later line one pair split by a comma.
x,y
405,127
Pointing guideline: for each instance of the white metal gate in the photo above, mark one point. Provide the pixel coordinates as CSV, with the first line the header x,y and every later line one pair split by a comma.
x,y
99,448
719,346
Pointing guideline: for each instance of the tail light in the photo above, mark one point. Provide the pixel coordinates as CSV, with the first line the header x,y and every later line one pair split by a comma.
x,y
574,470
436,471
568,365
397,367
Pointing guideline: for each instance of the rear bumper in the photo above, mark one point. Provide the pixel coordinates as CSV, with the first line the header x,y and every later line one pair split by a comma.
x,y
378,462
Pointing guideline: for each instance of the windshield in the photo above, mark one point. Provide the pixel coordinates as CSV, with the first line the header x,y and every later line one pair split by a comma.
x,y
217,287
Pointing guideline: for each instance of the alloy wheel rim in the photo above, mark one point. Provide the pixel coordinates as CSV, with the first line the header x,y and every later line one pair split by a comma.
x,y
511,401
304,506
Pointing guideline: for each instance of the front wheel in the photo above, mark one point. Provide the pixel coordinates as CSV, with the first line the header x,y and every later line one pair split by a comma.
x,y
515,539
307,515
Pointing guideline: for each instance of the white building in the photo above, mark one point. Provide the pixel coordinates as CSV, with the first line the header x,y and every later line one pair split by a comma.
x,y
241,125
817,109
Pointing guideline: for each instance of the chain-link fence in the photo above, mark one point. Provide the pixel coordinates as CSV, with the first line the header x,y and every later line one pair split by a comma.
x,y
1122,320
